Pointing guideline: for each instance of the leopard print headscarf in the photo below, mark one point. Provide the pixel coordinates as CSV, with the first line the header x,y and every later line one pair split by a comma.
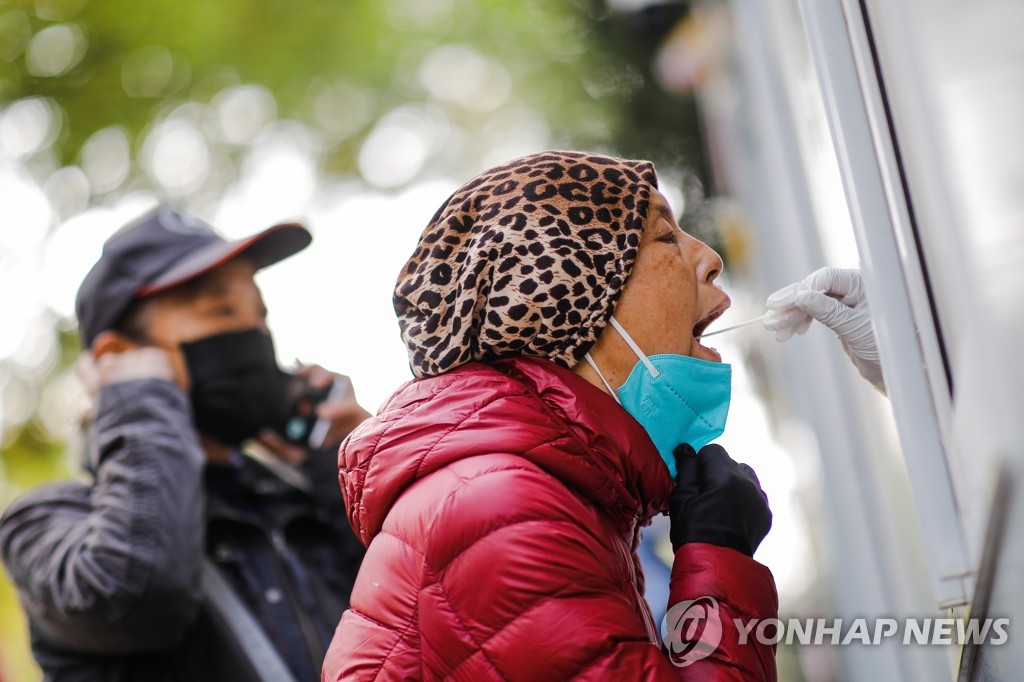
x,y
528,258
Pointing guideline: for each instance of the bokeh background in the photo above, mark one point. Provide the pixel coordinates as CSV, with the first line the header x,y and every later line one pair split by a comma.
x,y
358,117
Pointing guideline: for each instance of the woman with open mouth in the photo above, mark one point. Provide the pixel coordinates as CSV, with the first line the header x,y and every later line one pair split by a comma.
x,y
552,312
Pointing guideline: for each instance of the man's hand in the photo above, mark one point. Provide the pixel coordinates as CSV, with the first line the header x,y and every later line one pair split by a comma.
x,y
136,363
343,413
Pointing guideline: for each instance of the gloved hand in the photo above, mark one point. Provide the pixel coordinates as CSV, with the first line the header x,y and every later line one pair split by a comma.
x,y
835,297
717,501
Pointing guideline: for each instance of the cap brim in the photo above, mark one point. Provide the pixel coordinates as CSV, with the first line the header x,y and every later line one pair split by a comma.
x,y
264,248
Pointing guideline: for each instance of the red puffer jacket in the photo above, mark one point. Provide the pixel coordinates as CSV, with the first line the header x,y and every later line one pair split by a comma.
x,y
501,506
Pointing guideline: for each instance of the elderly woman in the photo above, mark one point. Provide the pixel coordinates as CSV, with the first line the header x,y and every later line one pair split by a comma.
x,y
552,313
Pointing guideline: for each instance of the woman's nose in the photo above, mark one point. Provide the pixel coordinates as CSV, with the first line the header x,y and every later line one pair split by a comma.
x,y
709,265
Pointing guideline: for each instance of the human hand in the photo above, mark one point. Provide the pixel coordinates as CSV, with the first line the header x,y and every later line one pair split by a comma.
x,y
717,501
146,362
836,298
341,411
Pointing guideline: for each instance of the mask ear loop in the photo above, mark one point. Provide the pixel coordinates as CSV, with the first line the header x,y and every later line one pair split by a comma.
x,y
636,349
590,361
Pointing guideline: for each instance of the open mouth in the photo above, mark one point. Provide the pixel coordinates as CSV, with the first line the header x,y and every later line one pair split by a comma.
x,y
705,322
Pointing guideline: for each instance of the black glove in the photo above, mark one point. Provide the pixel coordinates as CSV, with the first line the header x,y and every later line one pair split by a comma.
x,y
717,501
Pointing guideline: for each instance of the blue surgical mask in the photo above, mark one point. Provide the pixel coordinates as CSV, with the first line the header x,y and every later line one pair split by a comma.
x,y
676,398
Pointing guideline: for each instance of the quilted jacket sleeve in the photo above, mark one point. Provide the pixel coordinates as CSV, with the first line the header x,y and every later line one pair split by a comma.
x,y
745,593
522,583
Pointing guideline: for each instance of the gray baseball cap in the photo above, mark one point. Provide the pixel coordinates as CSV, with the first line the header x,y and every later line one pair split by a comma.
x,y
162,249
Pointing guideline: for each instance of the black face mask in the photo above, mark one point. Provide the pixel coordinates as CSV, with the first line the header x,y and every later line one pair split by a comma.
x,y
237,387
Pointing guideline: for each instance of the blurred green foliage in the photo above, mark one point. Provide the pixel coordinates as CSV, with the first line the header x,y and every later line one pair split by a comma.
x,y
583,69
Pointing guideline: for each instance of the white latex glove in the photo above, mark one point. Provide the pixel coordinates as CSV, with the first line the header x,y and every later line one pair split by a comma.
x,y
835,297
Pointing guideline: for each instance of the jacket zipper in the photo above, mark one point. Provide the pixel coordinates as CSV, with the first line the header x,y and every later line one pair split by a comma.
x,y
626,556
641,602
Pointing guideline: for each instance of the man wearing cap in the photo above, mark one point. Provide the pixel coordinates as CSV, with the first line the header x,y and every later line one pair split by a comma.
x,y
185,559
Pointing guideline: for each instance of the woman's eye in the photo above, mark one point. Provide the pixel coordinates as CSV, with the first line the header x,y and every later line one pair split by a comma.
x,y
669,237
226,310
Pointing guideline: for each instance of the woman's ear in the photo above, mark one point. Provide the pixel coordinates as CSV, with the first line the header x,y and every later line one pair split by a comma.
x,y
110,342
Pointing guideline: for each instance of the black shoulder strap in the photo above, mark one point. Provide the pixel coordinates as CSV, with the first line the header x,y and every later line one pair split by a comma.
x,y
227,608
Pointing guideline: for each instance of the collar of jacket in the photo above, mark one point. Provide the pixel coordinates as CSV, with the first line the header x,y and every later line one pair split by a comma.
x,y
527,406
246,489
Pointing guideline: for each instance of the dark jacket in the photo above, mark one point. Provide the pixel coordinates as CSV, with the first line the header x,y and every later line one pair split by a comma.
x,y
502,507
108,573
